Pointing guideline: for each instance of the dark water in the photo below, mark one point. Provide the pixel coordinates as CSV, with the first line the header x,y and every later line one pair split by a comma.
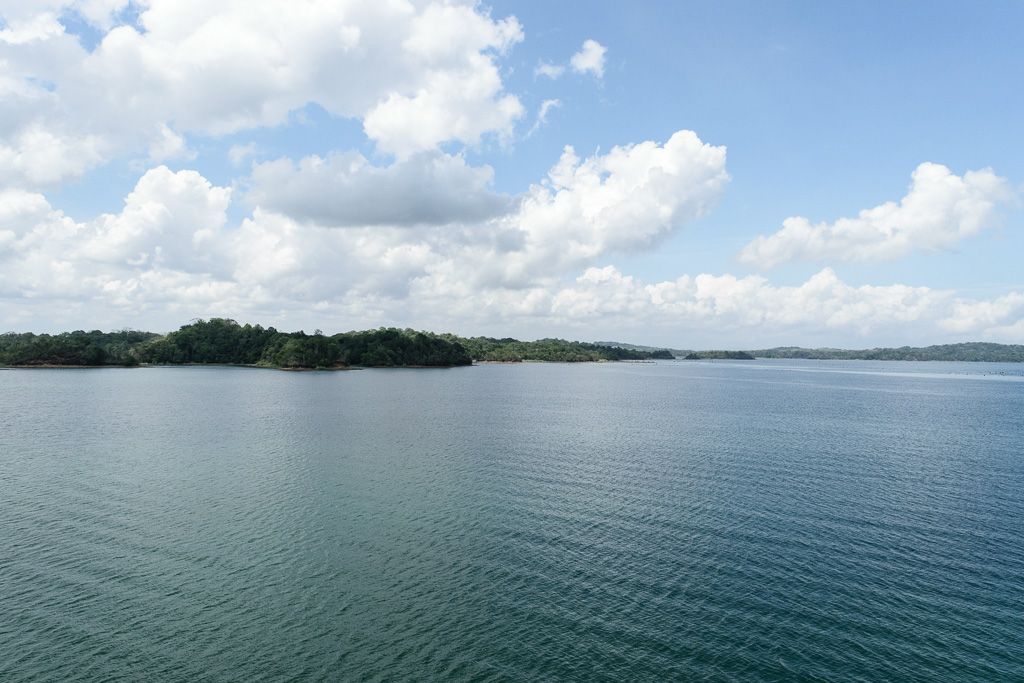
x,y
773,521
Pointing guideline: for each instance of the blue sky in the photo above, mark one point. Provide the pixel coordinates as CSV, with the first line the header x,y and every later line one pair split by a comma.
x,y
690,174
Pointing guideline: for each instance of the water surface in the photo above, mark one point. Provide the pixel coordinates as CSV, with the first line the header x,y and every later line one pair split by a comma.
x,y
721,521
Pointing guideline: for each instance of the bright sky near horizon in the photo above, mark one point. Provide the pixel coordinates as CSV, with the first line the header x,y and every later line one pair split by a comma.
x,y
687,174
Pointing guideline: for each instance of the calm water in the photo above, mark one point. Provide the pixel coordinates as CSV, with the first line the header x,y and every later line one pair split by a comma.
x,y
771,521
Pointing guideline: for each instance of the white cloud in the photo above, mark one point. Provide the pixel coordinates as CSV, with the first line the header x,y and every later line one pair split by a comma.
x,y
971,315
939,210
329,244
165,217
542,114
416,75
168,145
346,190
1008,334
99,13
238,153
750,308
335,230
38,27
589,59
42,156
170,222
456,106
552,71
623,202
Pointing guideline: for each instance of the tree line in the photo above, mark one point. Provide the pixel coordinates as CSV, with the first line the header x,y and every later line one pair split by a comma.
x,y
718,355
553,350
78,348
968,351
225,341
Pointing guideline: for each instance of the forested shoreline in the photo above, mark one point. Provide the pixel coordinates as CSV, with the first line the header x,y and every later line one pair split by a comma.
x,y
223,341
983,352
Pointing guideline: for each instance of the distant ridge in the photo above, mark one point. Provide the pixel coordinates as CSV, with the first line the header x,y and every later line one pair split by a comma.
x,y
224,341
968,351
678,353
719,355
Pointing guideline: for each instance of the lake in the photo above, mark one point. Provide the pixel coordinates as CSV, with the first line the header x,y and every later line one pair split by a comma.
x,y
690,521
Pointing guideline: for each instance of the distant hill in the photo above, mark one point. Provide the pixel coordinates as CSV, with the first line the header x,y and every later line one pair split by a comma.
x,y
510,350
676,353
224,341
718,355
969,351
221,340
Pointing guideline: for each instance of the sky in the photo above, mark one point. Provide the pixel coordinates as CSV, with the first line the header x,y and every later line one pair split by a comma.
x,y
735,174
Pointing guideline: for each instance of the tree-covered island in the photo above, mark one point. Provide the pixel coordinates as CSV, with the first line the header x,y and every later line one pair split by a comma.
x,y
986,352
718,355
226,342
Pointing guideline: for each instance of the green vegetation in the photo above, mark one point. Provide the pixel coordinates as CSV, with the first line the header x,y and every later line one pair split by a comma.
x,y
970,351
674,353
222,340
76,348
718,355
552,350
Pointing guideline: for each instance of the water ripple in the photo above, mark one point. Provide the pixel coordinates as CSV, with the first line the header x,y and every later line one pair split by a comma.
x,y
708,522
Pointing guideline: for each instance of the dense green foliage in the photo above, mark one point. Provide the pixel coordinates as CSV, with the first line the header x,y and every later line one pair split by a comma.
x,y
218,340
673,353
718,355
970,351
76,348
224,341
553,350
394,347
221,340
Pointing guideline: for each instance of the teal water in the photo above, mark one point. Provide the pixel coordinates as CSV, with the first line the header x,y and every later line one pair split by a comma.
x,y
766,521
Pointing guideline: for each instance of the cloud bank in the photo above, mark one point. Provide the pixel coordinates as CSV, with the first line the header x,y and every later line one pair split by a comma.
x,y
415,77
484,260
939,210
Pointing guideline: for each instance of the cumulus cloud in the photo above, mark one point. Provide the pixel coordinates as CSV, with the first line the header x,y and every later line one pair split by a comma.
x,y
823,307
539,265
625,201
168,219
35,28
38,156
168,145
622,202
346,190
416,75
590,59
336,229
939,210
170,222
552,71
